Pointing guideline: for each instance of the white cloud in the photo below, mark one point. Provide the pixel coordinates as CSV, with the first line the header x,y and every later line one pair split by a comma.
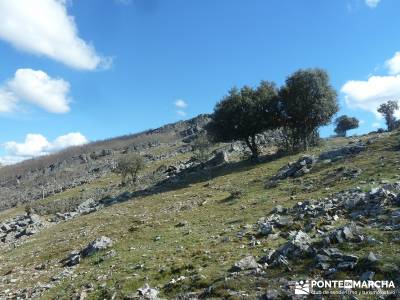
x,y
36,145
35,87
181,113
43,27
64,141
369,94
372,3
181,103
376,125
393,64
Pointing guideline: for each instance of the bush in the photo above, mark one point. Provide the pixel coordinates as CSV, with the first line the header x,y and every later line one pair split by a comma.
x,y
129,165
53,207
201,146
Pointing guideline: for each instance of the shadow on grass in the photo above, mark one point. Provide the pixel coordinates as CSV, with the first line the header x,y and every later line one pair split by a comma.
x,y
191,176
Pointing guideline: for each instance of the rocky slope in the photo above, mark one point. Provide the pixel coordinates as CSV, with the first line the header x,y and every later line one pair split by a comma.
x,y
235,229
42,177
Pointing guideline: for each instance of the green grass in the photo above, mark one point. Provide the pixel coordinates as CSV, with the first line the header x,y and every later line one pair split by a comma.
x,y
198,250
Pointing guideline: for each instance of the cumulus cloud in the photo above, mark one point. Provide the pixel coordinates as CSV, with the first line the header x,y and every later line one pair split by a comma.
x,y
376,125
37,88
180,103
369,94
43,27
372,3
37,145
393,64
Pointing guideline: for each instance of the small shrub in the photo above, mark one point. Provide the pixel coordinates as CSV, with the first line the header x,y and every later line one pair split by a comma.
x,y
130,165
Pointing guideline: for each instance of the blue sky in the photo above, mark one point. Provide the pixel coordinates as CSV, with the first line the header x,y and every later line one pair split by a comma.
x,y
73,71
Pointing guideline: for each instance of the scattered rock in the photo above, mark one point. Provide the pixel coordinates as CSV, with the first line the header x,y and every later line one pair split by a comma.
x,y
148,293
366,276
296,169
101,243
247,263
342,152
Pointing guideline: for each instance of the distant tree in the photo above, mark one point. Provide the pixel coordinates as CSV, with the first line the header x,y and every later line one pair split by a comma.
x,y
307,101
201,145
130,165
344,123
243,114
387,110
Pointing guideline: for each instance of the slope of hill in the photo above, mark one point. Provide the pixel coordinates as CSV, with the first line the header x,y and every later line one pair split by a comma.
x,y
235,230
49,175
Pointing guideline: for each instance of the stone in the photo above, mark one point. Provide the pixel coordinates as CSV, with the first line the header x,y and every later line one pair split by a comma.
x,y
284,221
88,207
371,258
347,233
101,243
366,276
279,209
350,258
346,265
296,169
298,246
72,259
271,295
342,152
148,293
247,263
221,157
266,228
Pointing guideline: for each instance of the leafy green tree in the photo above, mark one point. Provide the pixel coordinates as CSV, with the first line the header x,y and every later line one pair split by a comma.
x,y
387,110
243,114
130,165
307,101
344,123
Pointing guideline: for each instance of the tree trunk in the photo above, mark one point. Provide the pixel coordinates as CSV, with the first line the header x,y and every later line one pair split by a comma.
x,y
251,143
306,142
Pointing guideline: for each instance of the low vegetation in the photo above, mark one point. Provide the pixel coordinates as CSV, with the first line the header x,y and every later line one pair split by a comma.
x,y
198,231
129,166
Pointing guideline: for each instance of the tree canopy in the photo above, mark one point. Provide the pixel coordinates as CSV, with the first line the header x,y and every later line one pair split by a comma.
x,y
243,114
307,101
344,123
388,110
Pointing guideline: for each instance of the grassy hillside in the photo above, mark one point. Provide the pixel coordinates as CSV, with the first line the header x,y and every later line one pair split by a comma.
x,y
194,232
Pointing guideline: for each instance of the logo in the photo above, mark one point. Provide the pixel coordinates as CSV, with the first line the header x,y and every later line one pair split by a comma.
x,y
343,287
302,287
